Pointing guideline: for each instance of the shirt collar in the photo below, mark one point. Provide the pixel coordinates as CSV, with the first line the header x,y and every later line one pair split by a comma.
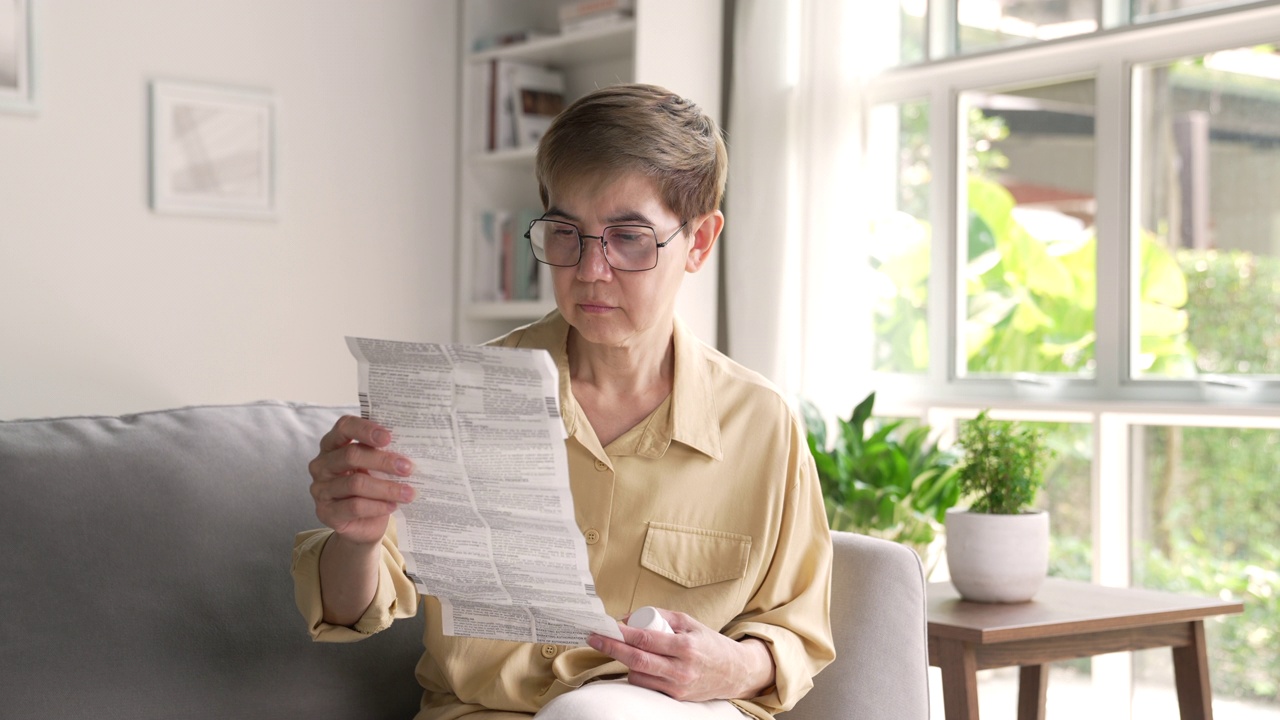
x,y
695,420
692,419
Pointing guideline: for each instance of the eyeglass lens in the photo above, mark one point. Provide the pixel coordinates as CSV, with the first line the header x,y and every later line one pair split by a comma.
x,y
626,247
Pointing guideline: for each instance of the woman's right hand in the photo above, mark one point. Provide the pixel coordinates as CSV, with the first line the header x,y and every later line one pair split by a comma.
x,y
348,498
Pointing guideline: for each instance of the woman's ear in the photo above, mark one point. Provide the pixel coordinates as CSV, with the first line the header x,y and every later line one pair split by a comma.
x,y
706,230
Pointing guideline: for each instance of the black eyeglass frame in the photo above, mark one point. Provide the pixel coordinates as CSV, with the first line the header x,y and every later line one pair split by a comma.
x,y
603,245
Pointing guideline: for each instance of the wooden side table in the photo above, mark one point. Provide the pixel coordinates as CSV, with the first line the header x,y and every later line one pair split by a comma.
x,y
1066,620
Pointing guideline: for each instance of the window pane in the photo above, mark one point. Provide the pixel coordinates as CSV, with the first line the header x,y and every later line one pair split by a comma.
x,y
915,30
898,153
1067,495
1144,10
1204,522
1030,286
901,35
991,24
1207,240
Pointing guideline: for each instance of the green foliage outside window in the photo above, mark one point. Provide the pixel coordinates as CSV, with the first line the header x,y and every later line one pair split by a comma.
x,y
1231,296
1032,300
1212,530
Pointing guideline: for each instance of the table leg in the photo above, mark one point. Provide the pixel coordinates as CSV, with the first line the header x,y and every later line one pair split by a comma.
x,y
1033,684
959,665
1191,676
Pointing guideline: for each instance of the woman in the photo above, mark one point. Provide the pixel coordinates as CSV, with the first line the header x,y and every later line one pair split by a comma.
x,y
691,478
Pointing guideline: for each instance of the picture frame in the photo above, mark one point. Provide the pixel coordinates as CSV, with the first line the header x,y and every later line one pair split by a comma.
x,y
17,76
212,150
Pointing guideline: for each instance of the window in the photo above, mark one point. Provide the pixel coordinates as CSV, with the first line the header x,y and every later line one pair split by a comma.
x,y
1204,523
1028,275
1206,138
1144,10
1074,221
900,240
988,24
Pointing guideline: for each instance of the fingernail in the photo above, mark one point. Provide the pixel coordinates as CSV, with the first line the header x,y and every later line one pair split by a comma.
x,y
406,493
594,641
381,437
403,467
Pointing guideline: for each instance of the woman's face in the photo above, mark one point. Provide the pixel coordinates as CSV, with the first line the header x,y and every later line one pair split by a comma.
x,y
611,307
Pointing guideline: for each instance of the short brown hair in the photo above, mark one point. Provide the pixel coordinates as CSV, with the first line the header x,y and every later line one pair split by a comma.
x,y
636,127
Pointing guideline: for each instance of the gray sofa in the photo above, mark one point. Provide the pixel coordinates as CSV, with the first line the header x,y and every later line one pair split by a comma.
x,y
145,574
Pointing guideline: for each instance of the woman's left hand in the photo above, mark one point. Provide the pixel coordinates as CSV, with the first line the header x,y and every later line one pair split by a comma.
x,y
693,663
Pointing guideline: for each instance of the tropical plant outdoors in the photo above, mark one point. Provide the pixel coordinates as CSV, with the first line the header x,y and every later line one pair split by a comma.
x,y
885,479
1031,298
1002,465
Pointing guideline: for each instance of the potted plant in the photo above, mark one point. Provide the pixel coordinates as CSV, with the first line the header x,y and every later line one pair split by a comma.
x,y
888,480
998,549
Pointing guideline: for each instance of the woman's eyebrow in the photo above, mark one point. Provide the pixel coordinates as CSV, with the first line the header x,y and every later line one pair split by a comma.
x,y
624,217
553,210
629,217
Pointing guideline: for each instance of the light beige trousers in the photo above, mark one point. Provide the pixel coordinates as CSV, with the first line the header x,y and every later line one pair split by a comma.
x,y
619,700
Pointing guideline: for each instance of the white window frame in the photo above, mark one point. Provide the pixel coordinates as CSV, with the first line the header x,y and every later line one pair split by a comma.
x,y
1109,57
1111,402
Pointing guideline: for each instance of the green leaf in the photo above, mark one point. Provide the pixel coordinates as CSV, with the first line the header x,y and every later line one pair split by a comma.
x,y
814,425
1160,320
1162,280
862,412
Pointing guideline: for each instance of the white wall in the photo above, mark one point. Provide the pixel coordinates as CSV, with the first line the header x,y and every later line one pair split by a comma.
x,y
109,308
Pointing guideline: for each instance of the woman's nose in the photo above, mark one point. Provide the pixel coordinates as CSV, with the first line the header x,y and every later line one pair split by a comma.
x,y
594,264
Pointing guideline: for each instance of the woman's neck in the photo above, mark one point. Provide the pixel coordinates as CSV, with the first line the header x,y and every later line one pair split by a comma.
x,y
617,387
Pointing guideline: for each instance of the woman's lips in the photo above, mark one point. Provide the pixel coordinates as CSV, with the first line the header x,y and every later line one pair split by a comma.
x,y
594,308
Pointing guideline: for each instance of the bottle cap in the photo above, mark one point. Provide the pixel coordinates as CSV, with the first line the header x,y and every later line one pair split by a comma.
x,y
647,618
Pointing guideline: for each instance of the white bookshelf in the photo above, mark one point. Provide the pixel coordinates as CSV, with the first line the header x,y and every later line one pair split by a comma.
x,y
666,43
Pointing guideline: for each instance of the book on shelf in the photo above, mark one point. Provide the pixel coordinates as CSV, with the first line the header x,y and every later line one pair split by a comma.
x,y
523,98
503,39
572,12
500,133
505,268
525,286
487,257
599,21
538,96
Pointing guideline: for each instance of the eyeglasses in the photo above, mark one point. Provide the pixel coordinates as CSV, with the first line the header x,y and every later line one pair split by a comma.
x,y
629,248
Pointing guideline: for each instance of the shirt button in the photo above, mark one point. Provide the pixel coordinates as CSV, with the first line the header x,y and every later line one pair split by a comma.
x,y
601,466
549,651
592,536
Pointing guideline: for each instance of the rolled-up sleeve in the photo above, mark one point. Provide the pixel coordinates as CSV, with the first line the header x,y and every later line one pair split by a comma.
x,y
791,611
396,597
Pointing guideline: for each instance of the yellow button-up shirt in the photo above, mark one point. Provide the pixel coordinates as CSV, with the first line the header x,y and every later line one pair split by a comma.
x,y
709,506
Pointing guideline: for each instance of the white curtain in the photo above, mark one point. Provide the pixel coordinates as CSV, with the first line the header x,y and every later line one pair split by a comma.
x,y
795,271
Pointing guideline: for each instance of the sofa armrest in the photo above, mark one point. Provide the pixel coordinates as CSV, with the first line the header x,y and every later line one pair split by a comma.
x,y
879,621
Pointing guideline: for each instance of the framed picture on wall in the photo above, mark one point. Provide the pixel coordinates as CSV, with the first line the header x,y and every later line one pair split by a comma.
x,y
16,85
212,150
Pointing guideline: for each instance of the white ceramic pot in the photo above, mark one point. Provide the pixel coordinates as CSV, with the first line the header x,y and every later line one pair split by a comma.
x,y
997,558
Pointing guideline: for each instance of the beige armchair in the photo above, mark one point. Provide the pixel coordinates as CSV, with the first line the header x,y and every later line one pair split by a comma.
x,y
879,622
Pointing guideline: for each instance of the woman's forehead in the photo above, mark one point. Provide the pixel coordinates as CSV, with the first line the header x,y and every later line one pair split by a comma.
x,y
608,195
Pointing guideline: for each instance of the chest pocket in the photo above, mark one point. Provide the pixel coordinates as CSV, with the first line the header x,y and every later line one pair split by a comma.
x,y
693,570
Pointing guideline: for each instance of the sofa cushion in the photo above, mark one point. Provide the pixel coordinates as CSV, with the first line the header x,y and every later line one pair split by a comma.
x,y
145,572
